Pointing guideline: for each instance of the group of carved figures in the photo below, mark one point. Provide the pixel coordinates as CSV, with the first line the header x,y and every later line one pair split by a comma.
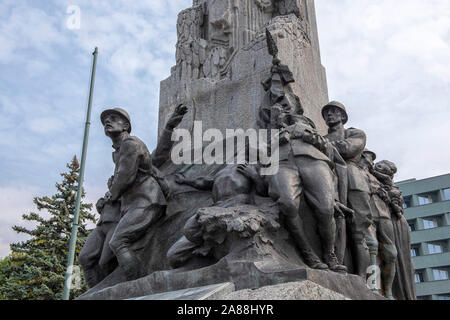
x,y
353,199
212,30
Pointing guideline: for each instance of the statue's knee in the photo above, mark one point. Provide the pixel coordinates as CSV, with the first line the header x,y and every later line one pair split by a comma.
x,y
389,253
325,213
83,259
288,207
373,244
358,238
115,244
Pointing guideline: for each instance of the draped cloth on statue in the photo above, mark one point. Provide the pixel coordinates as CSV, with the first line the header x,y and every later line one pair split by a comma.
x,y
403,286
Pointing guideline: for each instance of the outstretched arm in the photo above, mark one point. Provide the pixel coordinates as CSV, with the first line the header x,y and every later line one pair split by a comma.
x,y
202,183
165,143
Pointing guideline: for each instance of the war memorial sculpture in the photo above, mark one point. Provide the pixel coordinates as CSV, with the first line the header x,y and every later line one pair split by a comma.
x,y
329,214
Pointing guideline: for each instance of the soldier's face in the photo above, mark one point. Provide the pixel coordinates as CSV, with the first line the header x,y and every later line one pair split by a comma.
x,y
383,168
115,125
367,160
333,116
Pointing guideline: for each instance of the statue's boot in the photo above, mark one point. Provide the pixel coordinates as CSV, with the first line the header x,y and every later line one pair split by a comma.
x,y
362,261
373,244
362,256
129,263
93,276
332,261
313,261
388,279
295,227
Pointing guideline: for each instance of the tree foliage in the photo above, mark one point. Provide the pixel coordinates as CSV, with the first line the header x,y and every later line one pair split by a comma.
x,y
35,270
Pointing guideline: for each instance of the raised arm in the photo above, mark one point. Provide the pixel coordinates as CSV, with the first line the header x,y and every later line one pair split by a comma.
x,y
162,152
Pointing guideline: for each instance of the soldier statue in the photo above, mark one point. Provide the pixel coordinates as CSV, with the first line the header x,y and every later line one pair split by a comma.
x,y
382,239
231,186
350,144
96,257
307,166
403,286
137,191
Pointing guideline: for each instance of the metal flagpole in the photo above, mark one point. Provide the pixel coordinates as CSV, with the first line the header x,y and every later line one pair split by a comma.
x,y
76,216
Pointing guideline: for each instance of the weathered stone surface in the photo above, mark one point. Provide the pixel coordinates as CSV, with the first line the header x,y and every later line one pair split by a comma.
x,y
304,290
213,292
231,98
244,275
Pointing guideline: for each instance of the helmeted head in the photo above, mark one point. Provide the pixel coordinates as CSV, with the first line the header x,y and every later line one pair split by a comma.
x,y
116,121
386,167
334,113
369,157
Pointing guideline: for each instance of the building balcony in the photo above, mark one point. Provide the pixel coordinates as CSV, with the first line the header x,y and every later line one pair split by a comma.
x,y
428,210
430,235
433,288
432,261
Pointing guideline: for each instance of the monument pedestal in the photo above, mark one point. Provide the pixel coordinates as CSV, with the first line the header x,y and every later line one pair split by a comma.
x,y
243,275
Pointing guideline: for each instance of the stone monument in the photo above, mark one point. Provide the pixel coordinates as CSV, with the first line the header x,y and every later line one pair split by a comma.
x,y
222,58
327,223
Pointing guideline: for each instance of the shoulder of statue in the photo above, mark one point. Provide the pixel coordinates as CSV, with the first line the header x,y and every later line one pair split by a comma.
x,y
131,142
353,132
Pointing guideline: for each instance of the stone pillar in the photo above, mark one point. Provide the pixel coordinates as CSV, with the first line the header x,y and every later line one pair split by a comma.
x,y
420,225
446,219
415,200
441,195
429,275
424,249
222,57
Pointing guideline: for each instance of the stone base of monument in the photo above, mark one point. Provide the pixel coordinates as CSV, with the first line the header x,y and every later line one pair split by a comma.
x,y
243,276
302,290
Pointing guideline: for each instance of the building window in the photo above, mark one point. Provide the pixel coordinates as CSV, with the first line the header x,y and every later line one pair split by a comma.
x,y
430,223
415,252
447,194
412,227
418,277
443,297
434,248
440,275
425,199
407,202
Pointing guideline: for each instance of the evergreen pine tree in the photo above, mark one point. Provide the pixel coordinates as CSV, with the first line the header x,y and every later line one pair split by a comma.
x,y
35,270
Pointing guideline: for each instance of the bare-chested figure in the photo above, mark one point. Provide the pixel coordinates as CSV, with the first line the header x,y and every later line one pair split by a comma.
x,y
230,186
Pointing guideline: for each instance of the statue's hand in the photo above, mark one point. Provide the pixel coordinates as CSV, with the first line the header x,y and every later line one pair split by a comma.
x,y
247,171
100,205
108,197
180,179
177,117
343,211
110,182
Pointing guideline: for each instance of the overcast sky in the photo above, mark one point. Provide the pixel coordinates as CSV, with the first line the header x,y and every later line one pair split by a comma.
x,y
387,60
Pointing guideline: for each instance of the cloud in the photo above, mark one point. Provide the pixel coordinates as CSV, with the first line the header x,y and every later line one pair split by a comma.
x,y
15,201
388,62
